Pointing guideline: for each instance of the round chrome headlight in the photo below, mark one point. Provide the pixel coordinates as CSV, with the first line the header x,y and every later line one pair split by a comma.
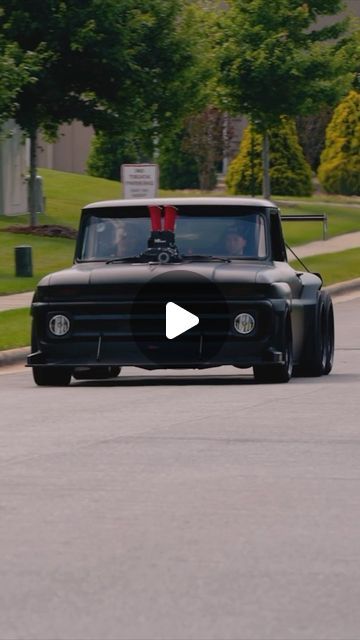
x,y
59,325
244,323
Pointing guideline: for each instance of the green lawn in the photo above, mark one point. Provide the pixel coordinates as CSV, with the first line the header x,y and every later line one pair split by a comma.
x,y
14,328
49,254
334,267
67,193
341,219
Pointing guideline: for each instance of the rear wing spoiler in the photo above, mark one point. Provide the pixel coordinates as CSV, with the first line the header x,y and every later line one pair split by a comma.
x,y
311,217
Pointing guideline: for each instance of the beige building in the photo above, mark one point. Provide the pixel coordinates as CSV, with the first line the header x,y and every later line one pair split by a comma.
x,y
13,170
70,151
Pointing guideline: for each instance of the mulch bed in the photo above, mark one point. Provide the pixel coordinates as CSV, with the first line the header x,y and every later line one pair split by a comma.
x,y
50,230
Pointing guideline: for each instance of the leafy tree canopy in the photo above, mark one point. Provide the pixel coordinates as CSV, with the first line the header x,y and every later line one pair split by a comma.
x,y
104,59
158,132
108,63
275,60
16,70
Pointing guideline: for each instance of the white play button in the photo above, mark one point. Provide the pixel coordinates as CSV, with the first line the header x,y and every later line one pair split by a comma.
x,y
178,320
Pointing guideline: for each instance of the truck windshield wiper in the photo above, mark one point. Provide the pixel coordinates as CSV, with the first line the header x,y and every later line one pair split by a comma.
x,y
193,258
202,257
126,259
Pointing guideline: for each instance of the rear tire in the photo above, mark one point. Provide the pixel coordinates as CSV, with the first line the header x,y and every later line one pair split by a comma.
x,y
330,336
323,342
96,373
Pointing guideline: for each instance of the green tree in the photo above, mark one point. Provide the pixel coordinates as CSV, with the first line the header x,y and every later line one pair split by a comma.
x,y
289,172
189,155
178,169
16,70
275,61
339,171
160,133
110,149
311,131
106,63
204,141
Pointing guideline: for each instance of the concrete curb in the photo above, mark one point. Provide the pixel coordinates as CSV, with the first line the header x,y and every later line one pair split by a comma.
x,y
340,288
14,356
18,356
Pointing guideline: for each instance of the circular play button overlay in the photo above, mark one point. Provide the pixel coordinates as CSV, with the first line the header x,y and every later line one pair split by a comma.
x,y
180,319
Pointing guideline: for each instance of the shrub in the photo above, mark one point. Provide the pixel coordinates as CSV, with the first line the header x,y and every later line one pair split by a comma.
x,y
339,171
178,169
290,174
109,150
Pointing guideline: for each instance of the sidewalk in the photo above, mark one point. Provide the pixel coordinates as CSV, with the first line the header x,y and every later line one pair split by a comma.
x,y
16,301
332,245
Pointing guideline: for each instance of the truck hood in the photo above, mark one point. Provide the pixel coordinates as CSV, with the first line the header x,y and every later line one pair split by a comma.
x,y
249,272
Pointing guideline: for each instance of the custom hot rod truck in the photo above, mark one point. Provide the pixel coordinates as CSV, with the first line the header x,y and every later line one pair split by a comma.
x,y
221,259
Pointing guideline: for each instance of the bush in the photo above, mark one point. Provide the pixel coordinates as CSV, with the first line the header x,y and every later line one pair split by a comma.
x,y
311,131
178,169
290,174
339,171
110,150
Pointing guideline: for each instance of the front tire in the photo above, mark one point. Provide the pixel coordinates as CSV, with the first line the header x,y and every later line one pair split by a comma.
x,y
51,376
277,373
48,376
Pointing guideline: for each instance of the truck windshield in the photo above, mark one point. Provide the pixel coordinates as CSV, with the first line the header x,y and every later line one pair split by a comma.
x,y
242,236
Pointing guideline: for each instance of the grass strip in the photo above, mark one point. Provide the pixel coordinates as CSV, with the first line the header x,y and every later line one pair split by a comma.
x,y
49,254
14,329
334,267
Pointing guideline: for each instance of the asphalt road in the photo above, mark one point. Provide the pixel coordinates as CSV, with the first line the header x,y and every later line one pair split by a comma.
x,y
184,507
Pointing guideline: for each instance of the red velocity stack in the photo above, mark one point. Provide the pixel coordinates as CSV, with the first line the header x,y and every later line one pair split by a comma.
x,y
170,217
155,215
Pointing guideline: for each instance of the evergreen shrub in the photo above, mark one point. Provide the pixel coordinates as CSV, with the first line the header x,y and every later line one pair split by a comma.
x,y
339,170
290,174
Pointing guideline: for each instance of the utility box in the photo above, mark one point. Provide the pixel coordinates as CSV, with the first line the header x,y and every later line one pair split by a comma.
x,y
23,261
39,195
13,170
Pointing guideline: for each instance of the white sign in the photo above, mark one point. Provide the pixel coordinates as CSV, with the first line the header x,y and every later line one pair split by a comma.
x,y
140,180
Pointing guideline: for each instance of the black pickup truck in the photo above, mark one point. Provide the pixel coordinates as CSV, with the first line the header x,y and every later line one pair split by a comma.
x,y
223,260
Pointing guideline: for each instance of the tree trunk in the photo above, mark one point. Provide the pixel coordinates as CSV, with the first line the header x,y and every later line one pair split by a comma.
x,y
266,166
32,178
252,161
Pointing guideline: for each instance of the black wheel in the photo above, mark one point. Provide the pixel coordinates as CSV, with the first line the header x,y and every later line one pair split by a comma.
x,y
48,376
51,376
275,373
330,336
322,340
96,373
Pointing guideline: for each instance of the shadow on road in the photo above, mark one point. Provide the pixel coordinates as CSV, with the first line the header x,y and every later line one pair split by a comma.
x,y
214,380
153,381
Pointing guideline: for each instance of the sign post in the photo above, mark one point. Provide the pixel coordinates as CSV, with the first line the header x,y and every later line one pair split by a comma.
x,y
139,180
